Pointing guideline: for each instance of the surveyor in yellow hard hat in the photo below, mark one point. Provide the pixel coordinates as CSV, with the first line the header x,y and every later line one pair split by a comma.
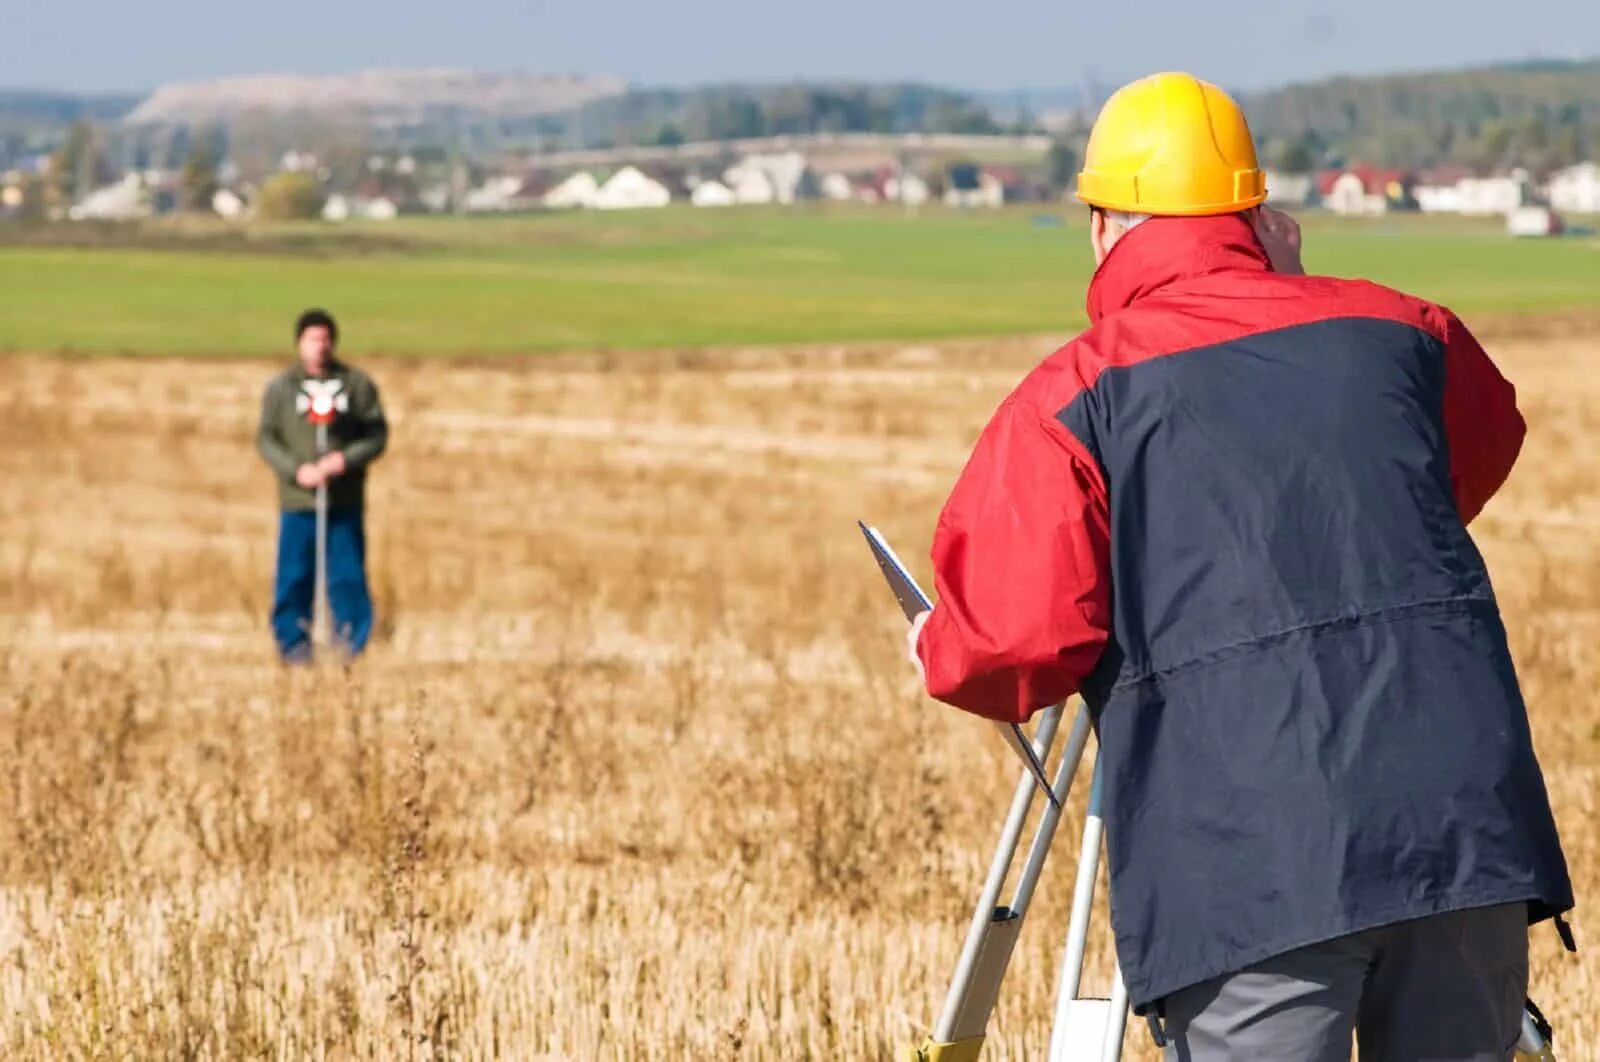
x,y
1232,514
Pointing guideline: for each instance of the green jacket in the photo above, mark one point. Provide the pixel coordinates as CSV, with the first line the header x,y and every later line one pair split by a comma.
x,y
287,439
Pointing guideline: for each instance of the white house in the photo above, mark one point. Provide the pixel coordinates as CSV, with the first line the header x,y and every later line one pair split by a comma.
x,y
494,196
435,198
907,188
576,191
343,208
837,186
1290,189
631,189
966,185
297,161
1453,190
1576,190
1349,195
1533,221
751,186
712,194
229,204
1353,193
1494,195
787,173
1438,198
124,201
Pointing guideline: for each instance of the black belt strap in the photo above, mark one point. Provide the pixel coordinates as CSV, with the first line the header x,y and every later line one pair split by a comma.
x,y
1152,1018
1564,930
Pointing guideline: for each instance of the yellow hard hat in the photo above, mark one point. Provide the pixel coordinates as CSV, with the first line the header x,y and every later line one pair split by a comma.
x,y
1171,144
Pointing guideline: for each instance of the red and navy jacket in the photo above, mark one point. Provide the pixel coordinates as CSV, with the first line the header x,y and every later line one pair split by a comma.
x,y
1232,514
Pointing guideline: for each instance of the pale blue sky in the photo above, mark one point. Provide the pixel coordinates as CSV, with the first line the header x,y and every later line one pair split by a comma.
x,y
983,44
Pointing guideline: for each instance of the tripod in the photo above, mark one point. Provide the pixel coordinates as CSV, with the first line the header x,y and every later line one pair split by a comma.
x,y
1085,1029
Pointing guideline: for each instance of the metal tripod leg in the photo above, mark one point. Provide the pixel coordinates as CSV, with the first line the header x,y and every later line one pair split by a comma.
x,y
1087,1029
958,1036
1533,1044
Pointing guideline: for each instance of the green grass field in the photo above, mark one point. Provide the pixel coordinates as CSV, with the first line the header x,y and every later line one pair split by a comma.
x,y
674,278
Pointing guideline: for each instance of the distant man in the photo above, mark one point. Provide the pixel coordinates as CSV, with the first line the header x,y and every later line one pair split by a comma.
x,y
321,387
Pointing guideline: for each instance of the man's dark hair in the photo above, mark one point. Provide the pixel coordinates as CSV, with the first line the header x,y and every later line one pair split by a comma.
x,y
314,317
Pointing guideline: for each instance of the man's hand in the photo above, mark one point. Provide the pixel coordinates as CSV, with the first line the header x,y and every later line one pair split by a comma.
x,y
332,464
310,476
1280,237
920,621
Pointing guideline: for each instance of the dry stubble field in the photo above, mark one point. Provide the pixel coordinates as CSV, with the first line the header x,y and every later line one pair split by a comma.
x,y
634,769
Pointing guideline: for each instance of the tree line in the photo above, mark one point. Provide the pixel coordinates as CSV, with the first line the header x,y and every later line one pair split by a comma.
x,y
1541,116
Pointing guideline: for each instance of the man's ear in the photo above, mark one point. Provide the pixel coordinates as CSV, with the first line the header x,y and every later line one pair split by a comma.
x,y
1097,235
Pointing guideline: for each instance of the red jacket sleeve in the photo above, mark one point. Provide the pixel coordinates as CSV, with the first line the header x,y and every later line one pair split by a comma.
x,y
1481,421
1021,560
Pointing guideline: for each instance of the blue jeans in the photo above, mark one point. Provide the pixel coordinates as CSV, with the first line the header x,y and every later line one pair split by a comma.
x,y
295,588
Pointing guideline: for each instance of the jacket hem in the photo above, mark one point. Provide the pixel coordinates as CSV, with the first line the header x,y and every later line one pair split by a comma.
x,y
1143,997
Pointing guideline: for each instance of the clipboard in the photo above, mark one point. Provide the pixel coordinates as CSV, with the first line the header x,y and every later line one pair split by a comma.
x,y
913,601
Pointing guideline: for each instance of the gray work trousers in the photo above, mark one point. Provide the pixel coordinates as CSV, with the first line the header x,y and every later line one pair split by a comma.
x,y
1448,988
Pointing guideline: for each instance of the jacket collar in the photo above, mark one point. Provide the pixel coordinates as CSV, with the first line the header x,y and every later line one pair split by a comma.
x,y
335,368
1165,250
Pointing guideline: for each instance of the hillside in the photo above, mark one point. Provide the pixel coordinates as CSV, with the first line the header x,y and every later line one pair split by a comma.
x,y
1536,114
22,107
382,96
1541,115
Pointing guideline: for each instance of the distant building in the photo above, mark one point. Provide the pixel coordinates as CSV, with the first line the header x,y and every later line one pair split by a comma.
x,y
1496,195
906,188
1365,190
435,198
1014,187
837,187
631,189
889,184
229,204
126,200
712,194
577,191
1534,221
786,173
346,207
1291,189
1576,190
1457,190
495,196
1438,190
751,186
967,185
298,162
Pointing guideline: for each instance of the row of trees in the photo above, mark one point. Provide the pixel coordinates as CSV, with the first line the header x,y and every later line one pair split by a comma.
x,y
1541,116
738,112
83,161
